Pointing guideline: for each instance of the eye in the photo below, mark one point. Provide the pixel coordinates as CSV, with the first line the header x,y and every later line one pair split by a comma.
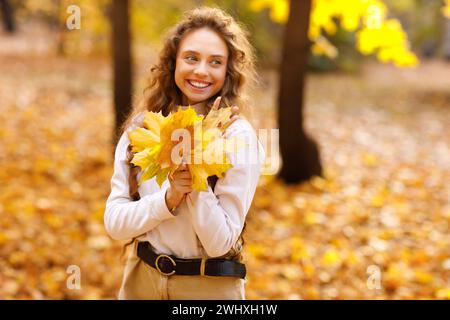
x,y
191,58
216,62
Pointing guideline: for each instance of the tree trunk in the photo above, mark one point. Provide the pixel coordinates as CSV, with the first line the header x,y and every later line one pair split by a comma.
x,y
58,23
122,62
446,40
8,17
299,153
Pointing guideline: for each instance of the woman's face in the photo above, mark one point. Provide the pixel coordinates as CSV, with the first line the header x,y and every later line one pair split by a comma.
x,y
201,65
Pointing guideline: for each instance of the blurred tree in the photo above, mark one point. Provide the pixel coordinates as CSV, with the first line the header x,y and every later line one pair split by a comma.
x,y
8,17
446,9
53,14
306,21
58,24
122,62
446,37
299,153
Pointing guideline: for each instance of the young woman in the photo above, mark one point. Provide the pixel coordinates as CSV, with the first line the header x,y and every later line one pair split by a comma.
x,y
187,244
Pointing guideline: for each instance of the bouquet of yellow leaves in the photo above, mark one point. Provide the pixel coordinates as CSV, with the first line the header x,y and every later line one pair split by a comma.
x,y
163,143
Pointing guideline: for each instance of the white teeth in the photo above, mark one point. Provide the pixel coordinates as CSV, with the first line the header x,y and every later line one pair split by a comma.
x,y
198,84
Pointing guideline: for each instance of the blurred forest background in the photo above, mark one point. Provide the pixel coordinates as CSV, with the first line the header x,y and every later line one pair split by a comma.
x,y
374,225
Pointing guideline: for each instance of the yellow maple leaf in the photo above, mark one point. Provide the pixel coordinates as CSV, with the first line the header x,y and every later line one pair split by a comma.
x,y
217,118
184,121
154,121
160,148
214,162
142,138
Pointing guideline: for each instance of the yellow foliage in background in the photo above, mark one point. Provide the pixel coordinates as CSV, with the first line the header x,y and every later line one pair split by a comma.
x,y
374,32
446,8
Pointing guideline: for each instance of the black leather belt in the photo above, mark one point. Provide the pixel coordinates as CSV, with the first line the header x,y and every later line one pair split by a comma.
x,y
169,265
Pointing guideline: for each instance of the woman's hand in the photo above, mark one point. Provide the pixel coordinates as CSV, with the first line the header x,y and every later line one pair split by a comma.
x,y
181,180
180,185
234,109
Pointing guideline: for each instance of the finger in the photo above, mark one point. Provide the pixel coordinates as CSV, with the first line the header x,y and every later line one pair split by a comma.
x,y
185,189
182,172
182,189
183,182
182,175
171,176
186,180
216,103
234,110
234,118
185,174
172,172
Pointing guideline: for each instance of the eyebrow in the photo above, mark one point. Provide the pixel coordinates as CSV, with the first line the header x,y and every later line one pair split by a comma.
x,y
196,52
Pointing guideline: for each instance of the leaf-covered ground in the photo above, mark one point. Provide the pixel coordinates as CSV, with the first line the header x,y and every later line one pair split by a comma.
x,y
382,209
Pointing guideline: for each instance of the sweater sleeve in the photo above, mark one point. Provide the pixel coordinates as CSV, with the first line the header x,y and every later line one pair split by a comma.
x,y
125,218
218,217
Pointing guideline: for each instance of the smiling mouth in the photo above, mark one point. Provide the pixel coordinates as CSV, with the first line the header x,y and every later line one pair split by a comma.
x,y
199,85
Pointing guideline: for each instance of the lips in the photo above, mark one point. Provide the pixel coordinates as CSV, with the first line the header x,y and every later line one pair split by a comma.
x,y
198,85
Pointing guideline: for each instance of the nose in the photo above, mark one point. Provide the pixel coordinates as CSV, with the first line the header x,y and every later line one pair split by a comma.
x,y
201,70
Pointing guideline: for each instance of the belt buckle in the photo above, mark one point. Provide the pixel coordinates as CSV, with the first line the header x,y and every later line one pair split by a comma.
x,y
157,265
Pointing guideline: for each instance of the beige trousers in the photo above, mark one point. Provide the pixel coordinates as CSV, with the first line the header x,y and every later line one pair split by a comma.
x,y
142,282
